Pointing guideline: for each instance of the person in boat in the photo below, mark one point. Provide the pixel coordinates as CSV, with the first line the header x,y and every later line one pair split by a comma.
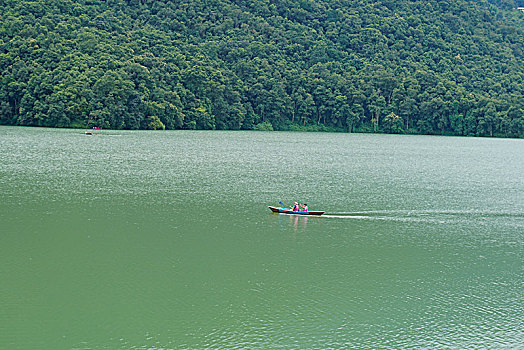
x,y
304,207
295,207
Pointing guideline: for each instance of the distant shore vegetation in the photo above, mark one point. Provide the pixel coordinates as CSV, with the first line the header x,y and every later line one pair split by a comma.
x,y
448,67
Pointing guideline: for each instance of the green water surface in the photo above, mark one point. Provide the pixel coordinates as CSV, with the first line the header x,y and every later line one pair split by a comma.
x,y
163,240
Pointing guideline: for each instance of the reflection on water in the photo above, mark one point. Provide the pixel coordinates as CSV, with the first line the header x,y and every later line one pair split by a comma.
x,y
296,222
299,218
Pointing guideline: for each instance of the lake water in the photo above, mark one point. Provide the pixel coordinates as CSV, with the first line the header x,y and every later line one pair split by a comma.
x,y
163,240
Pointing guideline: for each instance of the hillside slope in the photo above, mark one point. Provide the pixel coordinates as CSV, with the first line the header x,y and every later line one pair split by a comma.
x,y
446,67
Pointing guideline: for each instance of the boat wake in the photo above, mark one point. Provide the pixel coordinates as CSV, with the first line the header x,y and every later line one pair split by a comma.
x,y
437,216
378,217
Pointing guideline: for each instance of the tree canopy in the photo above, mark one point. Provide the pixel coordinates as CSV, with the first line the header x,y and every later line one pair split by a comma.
x,y
452,67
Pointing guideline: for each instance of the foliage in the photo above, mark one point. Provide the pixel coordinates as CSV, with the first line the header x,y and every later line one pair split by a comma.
x,y
449,67
154,123
264,126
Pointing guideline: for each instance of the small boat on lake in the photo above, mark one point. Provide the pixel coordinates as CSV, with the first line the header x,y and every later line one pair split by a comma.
x,y
88,132
290,211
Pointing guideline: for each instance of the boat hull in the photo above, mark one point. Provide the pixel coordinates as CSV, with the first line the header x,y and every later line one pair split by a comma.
x,y
289,211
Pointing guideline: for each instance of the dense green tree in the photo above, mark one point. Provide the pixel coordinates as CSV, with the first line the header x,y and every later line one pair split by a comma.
x,y
393,123
403,66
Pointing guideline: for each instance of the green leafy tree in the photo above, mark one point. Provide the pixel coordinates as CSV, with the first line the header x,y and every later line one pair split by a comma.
x,y
376,105
393,124
154,123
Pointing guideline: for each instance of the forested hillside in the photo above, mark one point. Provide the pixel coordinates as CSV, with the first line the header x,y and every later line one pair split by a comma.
x,y
452,67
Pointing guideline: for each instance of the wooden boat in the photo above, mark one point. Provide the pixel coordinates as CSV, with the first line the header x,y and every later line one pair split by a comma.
x,y
290,211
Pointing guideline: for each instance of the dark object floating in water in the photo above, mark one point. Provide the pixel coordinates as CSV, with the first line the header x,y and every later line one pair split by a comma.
x,y
88,133
290,211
